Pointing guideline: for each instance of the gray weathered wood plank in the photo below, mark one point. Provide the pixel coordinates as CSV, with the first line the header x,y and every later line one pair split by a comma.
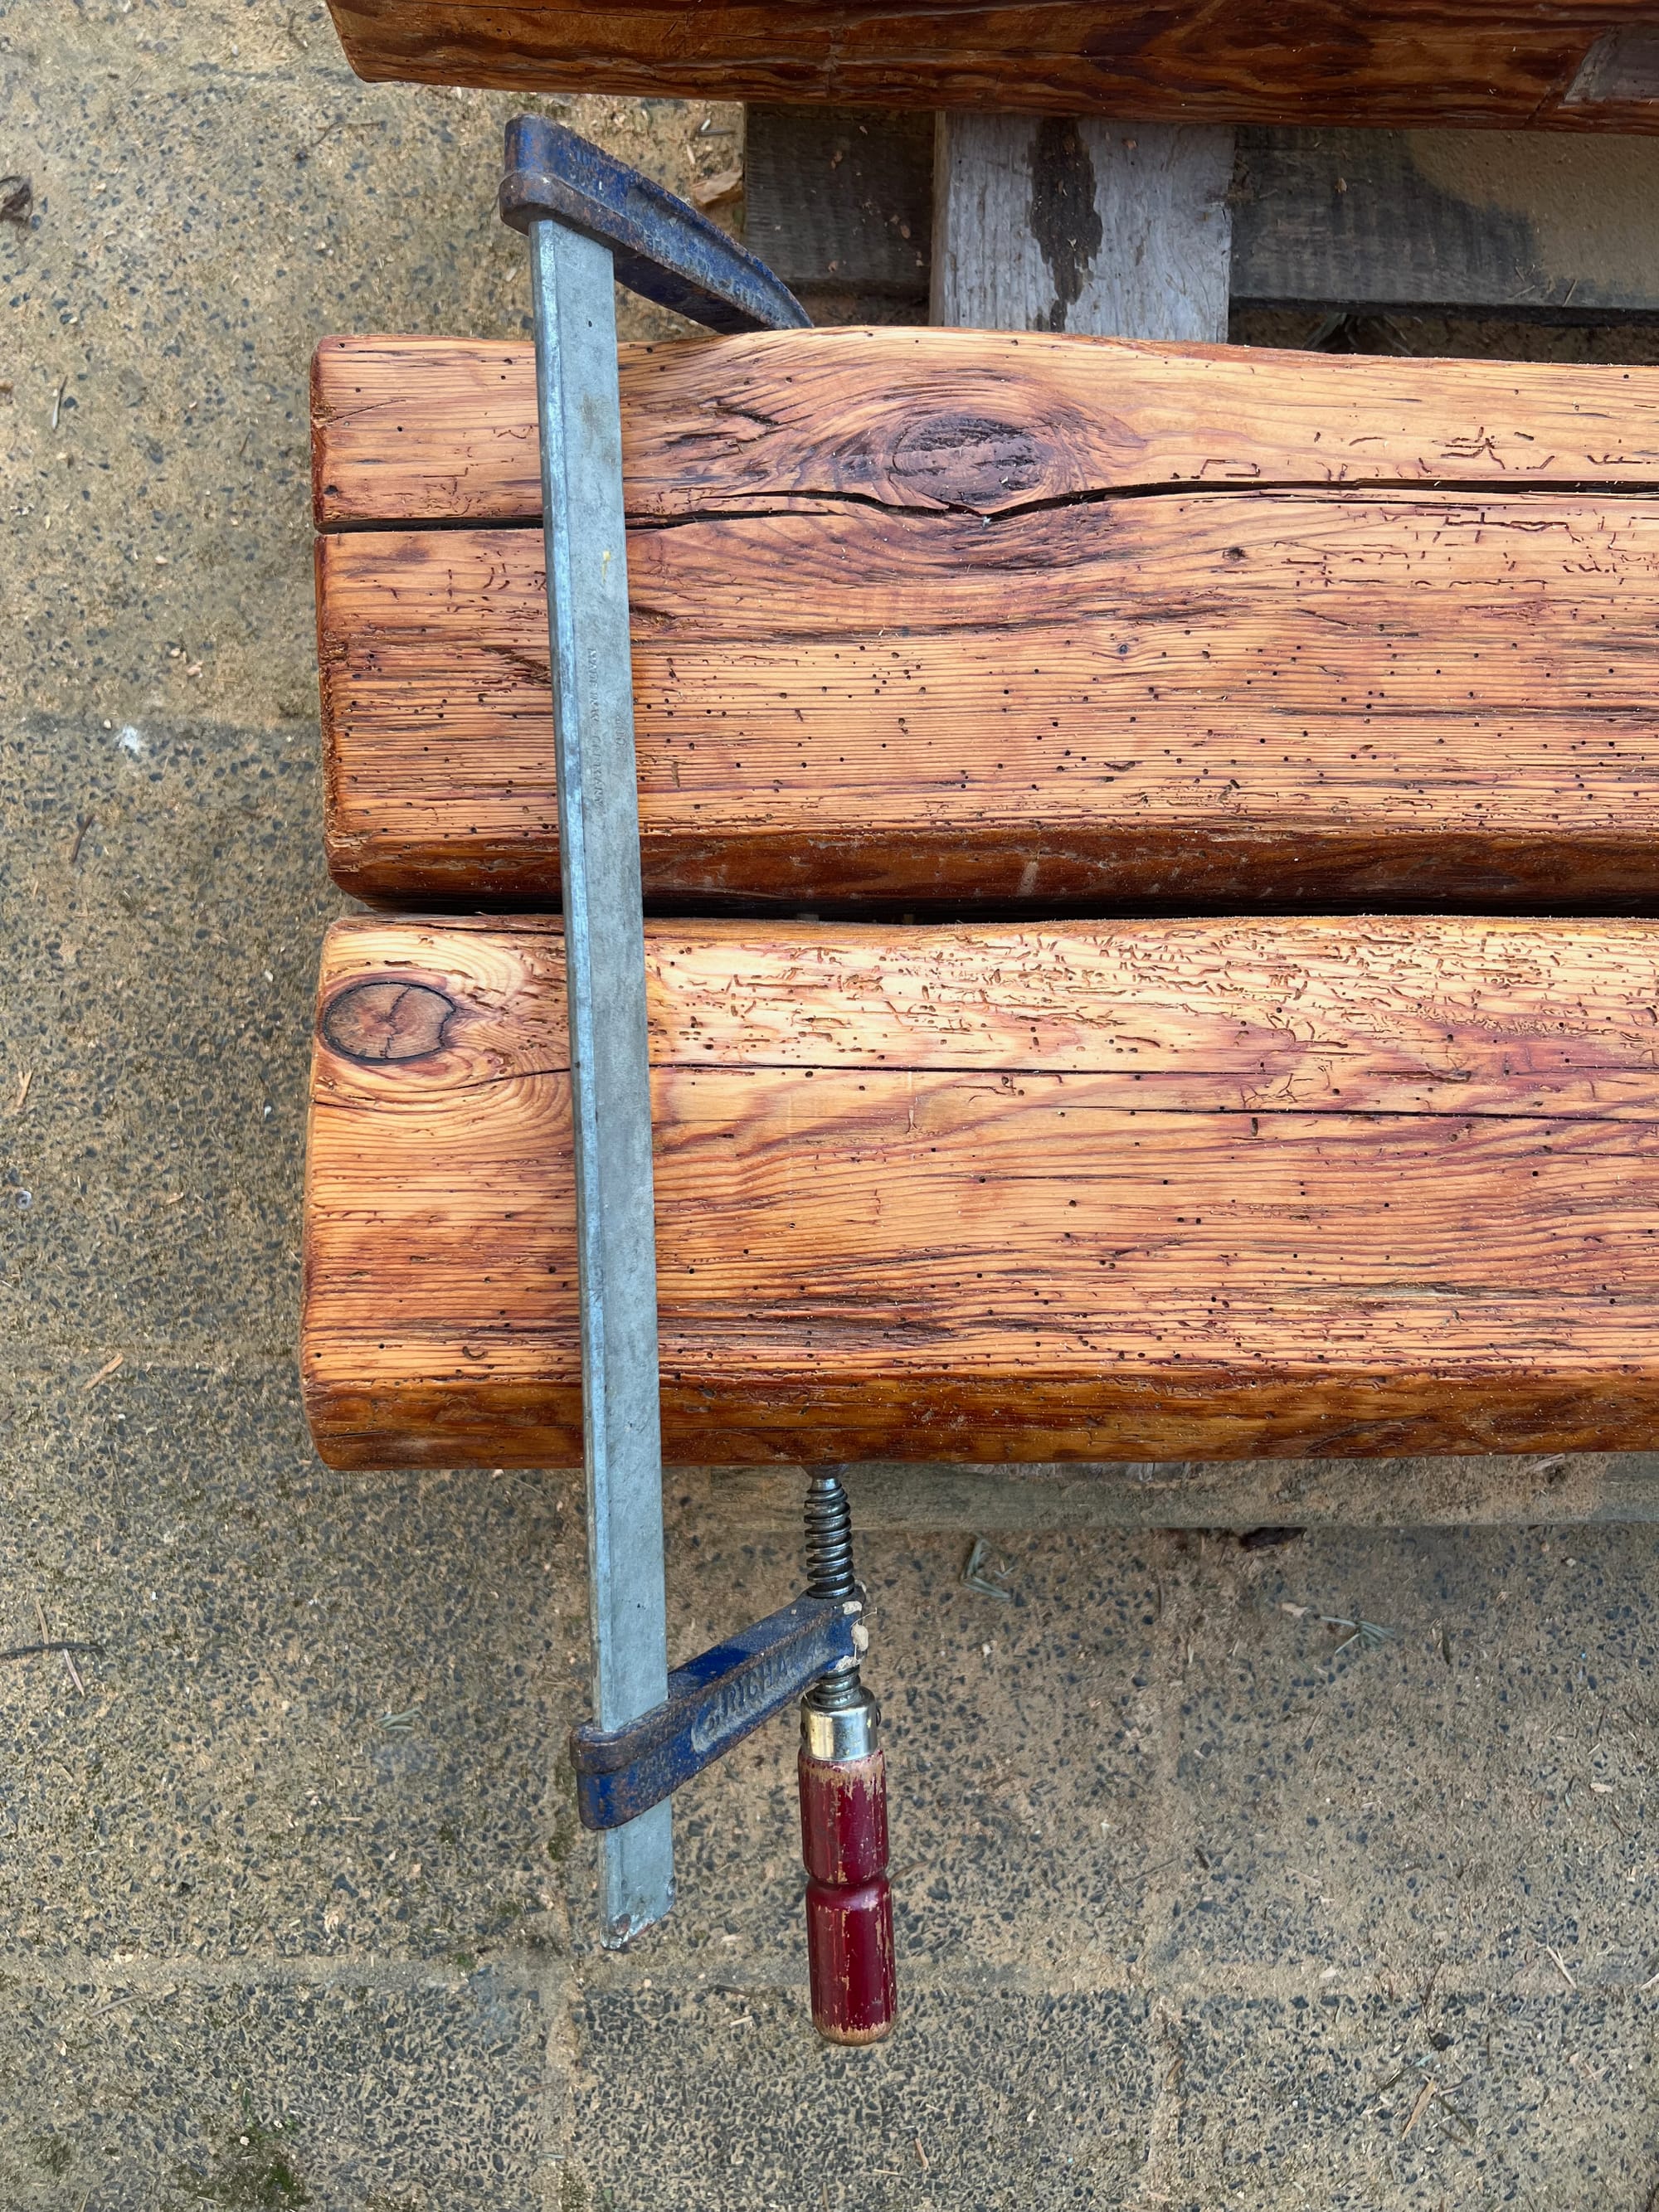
x,y
1447,219
1076,223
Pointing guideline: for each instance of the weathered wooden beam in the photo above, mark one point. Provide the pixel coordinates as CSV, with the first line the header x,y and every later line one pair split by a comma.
x,y
840,201
950,621
1077,223
1559,64
442,431
1294,701
1147,1191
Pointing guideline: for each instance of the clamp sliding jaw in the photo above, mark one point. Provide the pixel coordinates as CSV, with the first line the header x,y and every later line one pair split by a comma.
x,y
592,223
813,1645
712,1706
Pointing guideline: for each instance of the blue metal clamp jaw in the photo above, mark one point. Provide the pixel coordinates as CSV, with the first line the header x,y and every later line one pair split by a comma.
x,y
664,248
712,1704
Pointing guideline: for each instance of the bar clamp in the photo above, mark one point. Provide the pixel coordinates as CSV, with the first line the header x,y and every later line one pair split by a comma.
x,y
592,222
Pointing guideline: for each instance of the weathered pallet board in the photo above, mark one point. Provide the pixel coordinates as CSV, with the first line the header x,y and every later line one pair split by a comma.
x,y
1563,64
840,201
1073,223
945,620
1146,1190
1499,220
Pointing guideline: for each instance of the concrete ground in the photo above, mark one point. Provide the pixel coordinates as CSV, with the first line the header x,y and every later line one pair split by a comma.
x,y
1196,1908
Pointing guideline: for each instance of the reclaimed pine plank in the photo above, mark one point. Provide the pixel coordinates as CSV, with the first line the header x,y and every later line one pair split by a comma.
x,y
443,430
955,620
1290,699
1144,1190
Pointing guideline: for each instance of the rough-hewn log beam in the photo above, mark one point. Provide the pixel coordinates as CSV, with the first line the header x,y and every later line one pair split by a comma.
x,y
950,620
1153,1190
1561,64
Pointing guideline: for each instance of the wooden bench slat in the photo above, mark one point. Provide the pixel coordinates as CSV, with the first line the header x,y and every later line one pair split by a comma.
x,y
1143,1190
1561,64
422,430
1293,699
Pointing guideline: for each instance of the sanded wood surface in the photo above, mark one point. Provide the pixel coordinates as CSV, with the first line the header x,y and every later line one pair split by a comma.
x,y
1559,64
935,620
411,429
1143,1190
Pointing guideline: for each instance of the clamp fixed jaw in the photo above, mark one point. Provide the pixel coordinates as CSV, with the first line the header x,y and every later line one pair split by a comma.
x,y
592,222
660,246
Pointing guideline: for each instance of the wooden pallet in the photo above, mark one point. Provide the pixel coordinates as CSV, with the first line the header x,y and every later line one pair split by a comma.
x,y
1143,1190
934,621
842,203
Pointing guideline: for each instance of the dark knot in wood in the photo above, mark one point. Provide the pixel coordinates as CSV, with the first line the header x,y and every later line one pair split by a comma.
x,y
391,1020
968,460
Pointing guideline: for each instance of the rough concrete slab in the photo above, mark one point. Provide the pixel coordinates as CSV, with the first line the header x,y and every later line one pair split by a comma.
x,y
723,2098
212,192
140,2091
162,900
285,1745
1445,1491
1471,1790
1471,2099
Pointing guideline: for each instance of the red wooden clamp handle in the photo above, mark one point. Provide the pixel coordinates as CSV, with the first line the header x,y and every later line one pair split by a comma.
x,y
849,1903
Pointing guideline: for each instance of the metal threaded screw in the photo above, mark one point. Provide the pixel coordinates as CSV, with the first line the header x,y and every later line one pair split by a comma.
x,y
828,1539
830,1574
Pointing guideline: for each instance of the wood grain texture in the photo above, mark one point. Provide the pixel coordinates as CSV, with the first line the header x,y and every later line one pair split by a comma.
x,y
952,619
408,429
1150,1190
1217,699
1561,64
1077,223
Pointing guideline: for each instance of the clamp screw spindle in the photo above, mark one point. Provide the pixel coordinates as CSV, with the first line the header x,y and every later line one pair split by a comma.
x,y
828,1539
830,1574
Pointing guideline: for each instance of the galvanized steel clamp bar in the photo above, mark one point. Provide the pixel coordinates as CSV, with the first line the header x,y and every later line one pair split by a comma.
x,y
591,221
